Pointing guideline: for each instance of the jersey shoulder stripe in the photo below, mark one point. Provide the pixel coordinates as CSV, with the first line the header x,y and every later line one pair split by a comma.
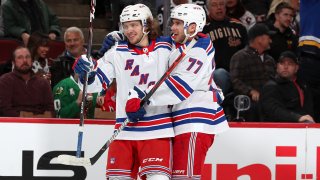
x,y
210,49
206,44
164,45
102,77
164,42
124,47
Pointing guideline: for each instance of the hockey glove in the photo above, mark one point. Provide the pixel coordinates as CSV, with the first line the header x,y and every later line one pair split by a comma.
x,y
133,109
218,95
83,65
136,116
109,40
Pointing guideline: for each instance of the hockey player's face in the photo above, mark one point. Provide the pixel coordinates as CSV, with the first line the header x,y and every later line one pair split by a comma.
x,y
133,31
177,30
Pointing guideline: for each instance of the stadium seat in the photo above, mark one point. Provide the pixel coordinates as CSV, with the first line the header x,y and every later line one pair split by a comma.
x,y
7,46
56,49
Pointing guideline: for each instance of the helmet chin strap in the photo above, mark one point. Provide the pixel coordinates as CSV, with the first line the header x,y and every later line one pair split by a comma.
x,y
187,35
144,35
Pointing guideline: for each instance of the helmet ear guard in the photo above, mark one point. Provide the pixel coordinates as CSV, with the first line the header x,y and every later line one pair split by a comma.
x,y
190,13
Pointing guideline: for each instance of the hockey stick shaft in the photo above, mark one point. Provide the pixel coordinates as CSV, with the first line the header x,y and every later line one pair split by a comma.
x,y
85,85
95,158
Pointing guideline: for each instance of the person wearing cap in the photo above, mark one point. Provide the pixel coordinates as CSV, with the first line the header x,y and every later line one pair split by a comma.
x,y
251,68
286,99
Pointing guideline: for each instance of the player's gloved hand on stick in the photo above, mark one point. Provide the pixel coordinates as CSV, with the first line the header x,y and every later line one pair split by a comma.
x,y
83,65
133,109
109,40
136,116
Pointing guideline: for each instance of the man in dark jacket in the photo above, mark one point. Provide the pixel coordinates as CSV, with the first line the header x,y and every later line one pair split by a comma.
x,y
251,68
285,38
62,66
285,99
227,35
23,17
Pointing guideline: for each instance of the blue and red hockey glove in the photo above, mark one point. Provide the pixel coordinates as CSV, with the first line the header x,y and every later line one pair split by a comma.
x,y
83,65
134,111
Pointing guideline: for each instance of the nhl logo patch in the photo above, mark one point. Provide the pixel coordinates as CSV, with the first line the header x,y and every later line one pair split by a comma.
x,y
145,50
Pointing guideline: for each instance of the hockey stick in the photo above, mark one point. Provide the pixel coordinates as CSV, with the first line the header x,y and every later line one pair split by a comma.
x,y
84,90
75,161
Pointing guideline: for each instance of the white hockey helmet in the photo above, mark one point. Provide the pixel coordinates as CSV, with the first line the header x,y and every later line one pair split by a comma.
x,y
136,12
190,13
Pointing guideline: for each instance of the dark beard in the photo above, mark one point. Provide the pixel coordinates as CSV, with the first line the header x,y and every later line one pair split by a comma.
x,y
23,71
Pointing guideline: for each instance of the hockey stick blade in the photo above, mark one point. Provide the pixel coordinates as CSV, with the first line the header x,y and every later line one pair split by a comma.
x,y
73,160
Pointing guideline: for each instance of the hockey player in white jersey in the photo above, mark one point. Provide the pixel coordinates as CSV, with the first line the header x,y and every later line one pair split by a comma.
x,y
197,116
140,61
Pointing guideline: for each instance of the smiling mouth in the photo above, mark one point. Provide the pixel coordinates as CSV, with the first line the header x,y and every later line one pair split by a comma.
x,y
174,36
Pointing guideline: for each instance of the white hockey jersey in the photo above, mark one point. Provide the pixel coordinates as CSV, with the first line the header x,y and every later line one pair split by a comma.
x,y
130,66
187,89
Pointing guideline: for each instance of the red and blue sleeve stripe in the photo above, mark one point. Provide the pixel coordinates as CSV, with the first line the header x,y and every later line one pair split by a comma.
x,y
102,77
210,49
179,87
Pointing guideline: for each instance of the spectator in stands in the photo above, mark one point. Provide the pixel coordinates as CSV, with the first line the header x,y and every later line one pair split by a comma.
x,y
39,47
284,38
251,68
295,4
228,35
309,47
68,98
259,8
23,92
235,9
23,17
62,66
285,99
107,102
